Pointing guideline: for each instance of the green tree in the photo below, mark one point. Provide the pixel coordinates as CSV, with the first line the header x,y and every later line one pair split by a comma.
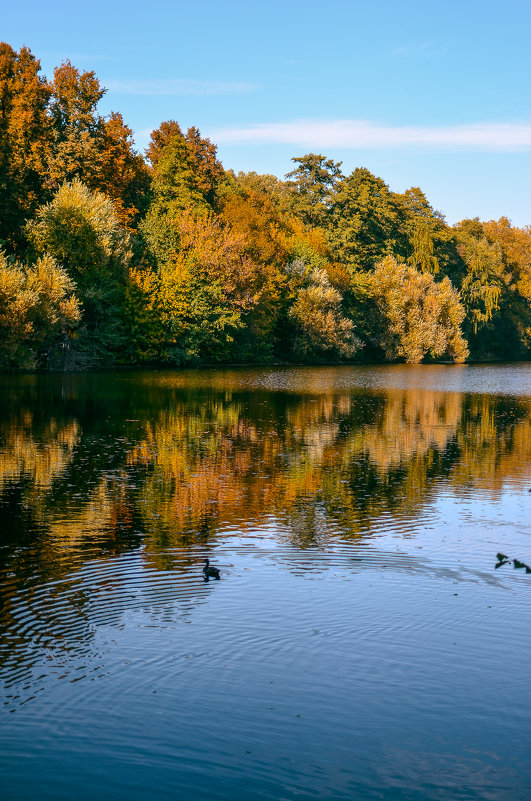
x,y
365,222
494,287
207,170
146,336
422,257
186,172
174,186
425,229
482,287
515,244
313,183
185,175
80,228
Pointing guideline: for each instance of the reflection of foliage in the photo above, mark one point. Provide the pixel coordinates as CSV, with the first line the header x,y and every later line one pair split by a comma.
x,y
211,465
175,465
43,461
213,459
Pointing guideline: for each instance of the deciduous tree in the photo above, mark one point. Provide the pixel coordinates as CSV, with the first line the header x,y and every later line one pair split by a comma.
x,y
321,329
416,316
37,306
24,140
204,290
77,127
123,175
80,228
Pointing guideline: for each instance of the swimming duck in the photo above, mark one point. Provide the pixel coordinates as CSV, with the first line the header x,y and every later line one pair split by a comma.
x,y
210,572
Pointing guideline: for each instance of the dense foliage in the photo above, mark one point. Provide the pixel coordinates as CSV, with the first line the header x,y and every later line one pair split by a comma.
x,y
108,258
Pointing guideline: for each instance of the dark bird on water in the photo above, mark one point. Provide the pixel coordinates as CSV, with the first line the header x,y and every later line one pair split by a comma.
x,y
210,572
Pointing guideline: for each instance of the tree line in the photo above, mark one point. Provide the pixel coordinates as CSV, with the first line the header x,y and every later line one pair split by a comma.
x,y
109,258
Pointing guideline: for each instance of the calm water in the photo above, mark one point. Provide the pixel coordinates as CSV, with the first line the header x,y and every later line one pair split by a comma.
x,y
360,643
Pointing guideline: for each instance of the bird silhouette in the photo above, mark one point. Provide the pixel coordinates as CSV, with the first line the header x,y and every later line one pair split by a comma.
x,y
210,572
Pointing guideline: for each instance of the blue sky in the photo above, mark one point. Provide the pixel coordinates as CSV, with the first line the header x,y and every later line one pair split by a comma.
x,y
435,95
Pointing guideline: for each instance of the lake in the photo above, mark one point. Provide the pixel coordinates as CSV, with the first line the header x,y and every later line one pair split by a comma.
x,y
360,642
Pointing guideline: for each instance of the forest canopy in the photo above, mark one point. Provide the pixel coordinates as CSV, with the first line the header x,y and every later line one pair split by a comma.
x,y
109,257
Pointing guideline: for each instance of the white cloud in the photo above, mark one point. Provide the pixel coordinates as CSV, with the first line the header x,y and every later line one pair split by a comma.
x,y
177,86
364,135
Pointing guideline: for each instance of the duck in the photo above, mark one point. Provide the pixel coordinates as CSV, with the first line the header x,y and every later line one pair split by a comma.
x,y
210,572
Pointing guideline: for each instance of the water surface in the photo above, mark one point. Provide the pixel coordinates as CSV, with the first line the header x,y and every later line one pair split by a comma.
x,y
360,642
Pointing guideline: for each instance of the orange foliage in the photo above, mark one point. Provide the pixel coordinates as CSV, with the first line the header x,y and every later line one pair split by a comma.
x,y
160,138
24,137
124,176
254,216
294,232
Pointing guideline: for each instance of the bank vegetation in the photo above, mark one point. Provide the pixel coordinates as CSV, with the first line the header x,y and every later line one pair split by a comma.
x,y
108,257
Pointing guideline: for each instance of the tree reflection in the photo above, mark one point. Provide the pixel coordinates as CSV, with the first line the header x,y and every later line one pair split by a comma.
x,y
176,466
91,472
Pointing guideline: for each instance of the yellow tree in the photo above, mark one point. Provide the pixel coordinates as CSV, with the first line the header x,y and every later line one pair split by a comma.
x,y
415,316
515,244
321,329
37,306
515,316
254,217
80,228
